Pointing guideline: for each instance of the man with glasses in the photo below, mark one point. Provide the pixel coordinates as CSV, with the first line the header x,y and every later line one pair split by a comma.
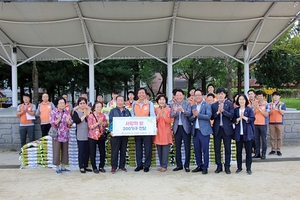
x,y
201,131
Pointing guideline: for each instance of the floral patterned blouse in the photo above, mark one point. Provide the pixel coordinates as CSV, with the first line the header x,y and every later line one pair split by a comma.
x,y
63,127
95,131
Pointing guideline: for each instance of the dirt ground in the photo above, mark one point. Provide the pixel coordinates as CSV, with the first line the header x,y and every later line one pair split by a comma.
x,y
270,180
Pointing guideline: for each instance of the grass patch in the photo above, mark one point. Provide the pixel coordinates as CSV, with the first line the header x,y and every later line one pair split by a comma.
x,y
291,102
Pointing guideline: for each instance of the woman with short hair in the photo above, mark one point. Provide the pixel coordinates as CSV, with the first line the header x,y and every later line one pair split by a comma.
x,y
80,116
97,124
60,118
163,137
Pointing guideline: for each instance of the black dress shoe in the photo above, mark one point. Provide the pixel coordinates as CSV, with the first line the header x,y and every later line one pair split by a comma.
x,y
204,171
198,169
177,169
146,169
238,171
218,170
227,170
187,169
256,156
249,171
102,170
263,156
138,168
88,170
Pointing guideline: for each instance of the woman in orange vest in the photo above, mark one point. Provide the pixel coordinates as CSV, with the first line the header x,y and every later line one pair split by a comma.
x,y
163,137
113,102
130,99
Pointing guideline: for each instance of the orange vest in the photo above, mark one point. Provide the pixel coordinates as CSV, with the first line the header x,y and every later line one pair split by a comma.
x,y
67,107
141,111
128,104
112,104
23,118
259,118
191,100
45,110
275,115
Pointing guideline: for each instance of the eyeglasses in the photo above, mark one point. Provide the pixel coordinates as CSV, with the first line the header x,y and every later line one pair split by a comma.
x,y
82,103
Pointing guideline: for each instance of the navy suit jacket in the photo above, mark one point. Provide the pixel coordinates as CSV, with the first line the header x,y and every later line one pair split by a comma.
x,y
203,119
227,117
248,127
184,117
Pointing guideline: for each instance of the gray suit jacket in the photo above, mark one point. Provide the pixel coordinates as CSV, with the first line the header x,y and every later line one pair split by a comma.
x,y
184,117
203,119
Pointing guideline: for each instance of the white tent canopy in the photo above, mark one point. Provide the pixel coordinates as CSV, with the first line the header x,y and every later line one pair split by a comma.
x,y
93,31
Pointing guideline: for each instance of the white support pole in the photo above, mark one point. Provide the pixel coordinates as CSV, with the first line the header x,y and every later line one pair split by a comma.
x,y
14,77
170,72
91,73
246,69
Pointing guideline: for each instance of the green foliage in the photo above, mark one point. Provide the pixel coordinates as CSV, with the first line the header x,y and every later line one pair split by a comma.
x,y
275,69
5,75
291,102
289,93
148,68
194,70
281,65
114,75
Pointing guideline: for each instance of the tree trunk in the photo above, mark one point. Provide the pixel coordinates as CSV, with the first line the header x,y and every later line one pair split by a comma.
x,y
191,83
35,84
164,80
239,83
203,85
125,90
229,78
135,78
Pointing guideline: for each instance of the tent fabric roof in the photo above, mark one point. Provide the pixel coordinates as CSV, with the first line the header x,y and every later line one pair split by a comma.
x,y
139,29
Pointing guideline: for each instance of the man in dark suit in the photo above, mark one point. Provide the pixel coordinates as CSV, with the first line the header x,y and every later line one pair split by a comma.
x,y
222,114
201,131
181,111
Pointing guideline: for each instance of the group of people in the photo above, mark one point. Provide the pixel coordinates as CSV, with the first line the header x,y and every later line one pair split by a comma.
x,y
197,117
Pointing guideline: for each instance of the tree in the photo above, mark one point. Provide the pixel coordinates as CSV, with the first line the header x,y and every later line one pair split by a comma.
x,y
148,69
114,75
274,69
35,83
280,65
194,70
5,75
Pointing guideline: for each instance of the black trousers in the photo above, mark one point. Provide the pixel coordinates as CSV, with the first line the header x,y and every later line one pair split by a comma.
x,y
227,146
101,146
83,153
45,129
261,133
140,142
239,150
118,145
179,136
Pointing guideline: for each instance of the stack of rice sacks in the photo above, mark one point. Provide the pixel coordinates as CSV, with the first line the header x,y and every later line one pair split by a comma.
x,y
37,153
